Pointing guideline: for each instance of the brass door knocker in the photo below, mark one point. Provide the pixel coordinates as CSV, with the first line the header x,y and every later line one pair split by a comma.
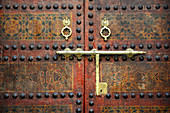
x,y
66,23
105,23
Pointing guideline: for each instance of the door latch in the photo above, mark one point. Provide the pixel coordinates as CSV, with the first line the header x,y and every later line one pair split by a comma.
x,y
101,87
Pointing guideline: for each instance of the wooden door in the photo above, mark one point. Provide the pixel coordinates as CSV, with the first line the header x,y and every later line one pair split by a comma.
x,y
33,78
135,85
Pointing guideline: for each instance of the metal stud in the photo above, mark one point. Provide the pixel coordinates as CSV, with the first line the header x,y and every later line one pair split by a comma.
x,y
71,95
167,95
125,96
91,111
150,95
107,46
55,6
78,6
116,58
142,95
55,46
123,7
14,47
79,46
140,7
71,57
149,58
165,6
48,6
90,7
90,15
30,58
6,95
1,7
14,58
31,47
133,95
22,95
132,7
15,95
149,46
79,95
47,47
6,47
64,6
116,96
91,95
166,46
23,47
40,7
55,95
55,58
70,6
115,7
124,46
91,30
107,7
46,57
132,46
46,95
91,23
78,22
31,95
5,58
62,95
141,46
78,37
158,46
157,6
32,7
91,38
90,59
78,30
78,14
141,58
107,58
22,58
99,47
71,46
166,57
38,58
15,6
39,46
38,95
90,47
78,110
91,103
78,102
148,7
116,46
7,7
24,7
157,58
99,8
108,96
159,95
124,57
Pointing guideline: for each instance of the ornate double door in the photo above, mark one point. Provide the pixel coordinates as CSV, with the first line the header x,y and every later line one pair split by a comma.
x,y
84,56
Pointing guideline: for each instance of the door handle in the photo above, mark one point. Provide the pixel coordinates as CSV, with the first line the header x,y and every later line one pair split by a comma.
x,y
101,87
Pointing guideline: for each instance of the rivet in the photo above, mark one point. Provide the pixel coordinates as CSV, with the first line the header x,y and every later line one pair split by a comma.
x,y
91,111
79,95
132,46
78,6
78,14
38,58
62,57
124,7
78,22
30,58
90,7
166,57
31,47
55,46
22,95
141,46
78,30
39,46
1,6
14,58
14,47
48,6
107,58
31,95
148,7
90,59
91,38
90,47
7,7
24,7
99,8
115,7
141,58
124,57
124,46
46,95
159,95
166,46
22,58
78,110
5,58
125,96
79,46
91,30
99,47
15,95
91,23
47,47
78,102
90,15
70,6
46,57
157,58
116,58
167,95
78,37
64,6
32,6
38,95
149,58
165,6
116,46
23,47
157,6
140,7
142,95
158,46
71,95
107,46
149,46
107,7
6,95
132,58
55,95
62,95
70,46
116,96
55,6
6,47
91,103
108,96
133,95
15,6
150,95
91,95
40,7
63,46
132,7
55,58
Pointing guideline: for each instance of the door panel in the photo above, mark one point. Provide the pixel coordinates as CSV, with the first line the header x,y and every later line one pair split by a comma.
x,y
133,84
30,35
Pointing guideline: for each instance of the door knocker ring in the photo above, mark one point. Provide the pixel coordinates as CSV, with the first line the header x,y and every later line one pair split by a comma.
x,y
105,23
66,23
